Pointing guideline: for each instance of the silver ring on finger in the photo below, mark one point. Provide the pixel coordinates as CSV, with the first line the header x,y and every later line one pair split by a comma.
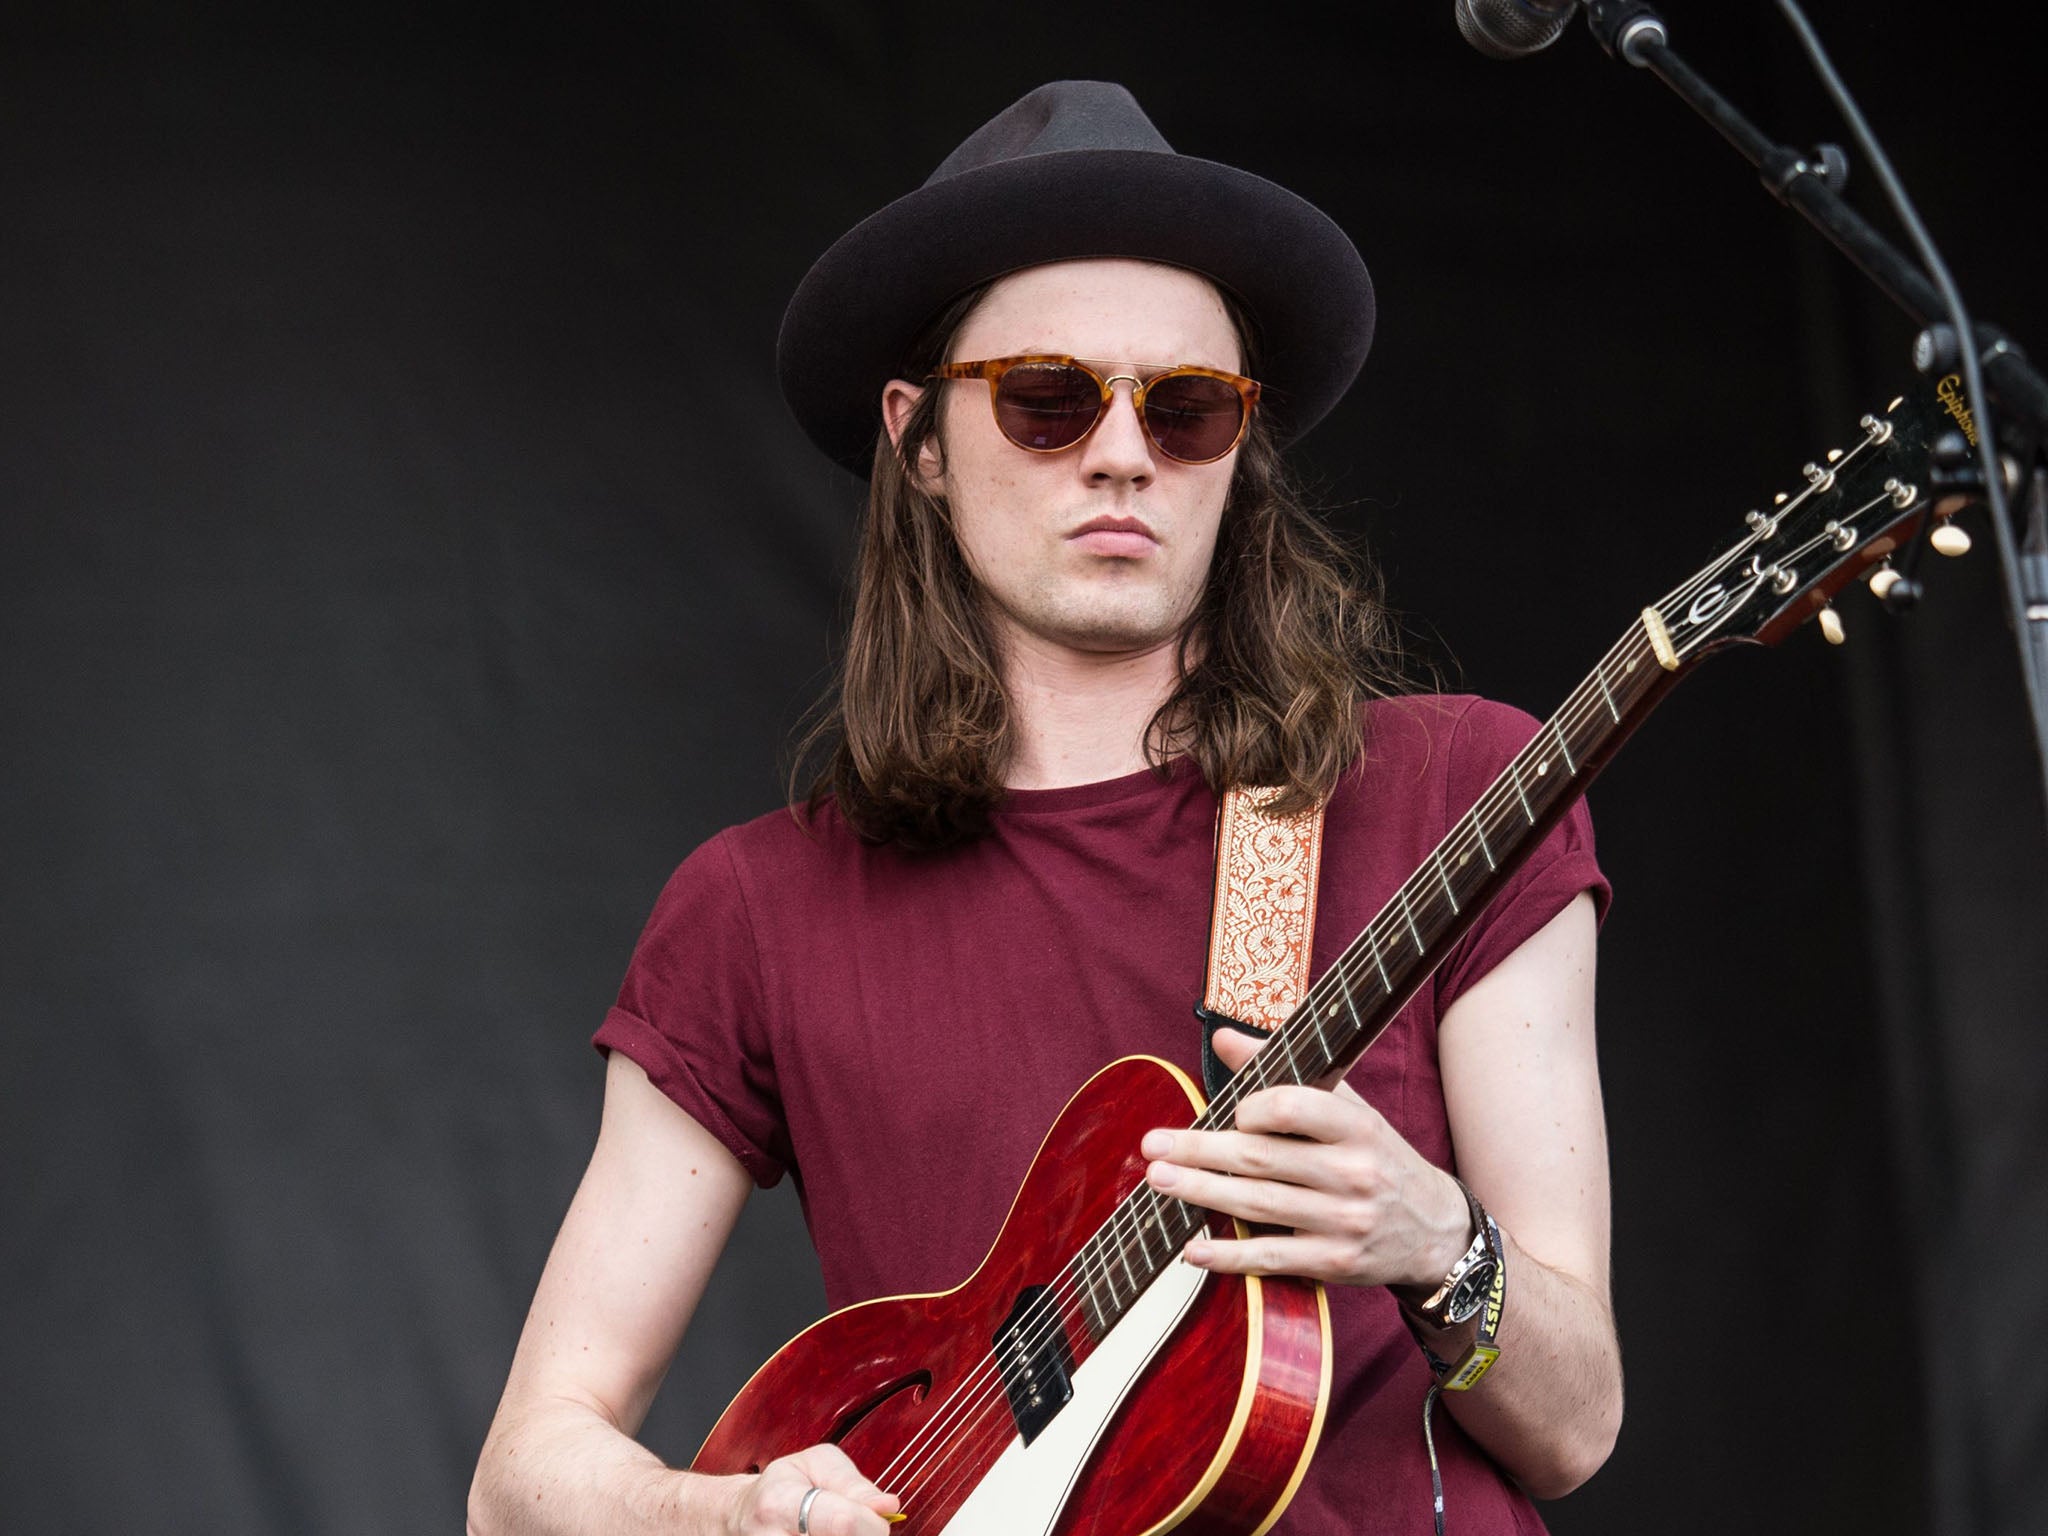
x,y
803,1512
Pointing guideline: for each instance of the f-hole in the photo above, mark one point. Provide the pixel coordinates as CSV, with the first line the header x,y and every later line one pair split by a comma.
x,y
918,1381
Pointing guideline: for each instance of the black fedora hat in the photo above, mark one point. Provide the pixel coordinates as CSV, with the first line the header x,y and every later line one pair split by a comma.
x,y
1075,169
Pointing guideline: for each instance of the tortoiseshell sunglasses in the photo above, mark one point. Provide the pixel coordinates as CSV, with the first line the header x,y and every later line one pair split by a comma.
x,y
1044,403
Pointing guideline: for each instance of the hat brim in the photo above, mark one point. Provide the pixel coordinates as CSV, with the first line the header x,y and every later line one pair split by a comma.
x,y
859,308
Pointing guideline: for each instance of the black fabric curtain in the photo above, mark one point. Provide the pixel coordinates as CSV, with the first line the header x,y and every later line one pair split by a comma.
x,y
405,559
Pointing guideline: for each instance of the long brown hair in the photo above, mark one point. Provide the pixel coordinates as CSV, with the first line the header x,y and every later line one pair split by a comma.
x,y
1288,640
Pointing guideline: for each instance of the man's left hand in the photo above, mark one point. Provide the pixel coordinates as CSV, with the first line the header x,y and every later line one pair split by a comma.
x,y
1356,1203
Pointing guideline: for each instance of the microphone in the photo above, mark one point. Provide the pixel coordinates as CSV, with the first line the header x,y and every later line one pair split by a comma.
x,y
1510,29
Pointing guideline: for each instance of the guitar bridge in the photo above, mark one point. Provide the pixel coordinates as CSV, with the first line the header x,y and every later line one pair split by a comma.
x,y
1034,1361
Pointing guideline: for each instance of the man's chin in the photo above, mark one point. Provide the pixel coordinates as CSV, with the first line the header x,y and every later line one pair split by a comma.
x,y
1108,625
1111,639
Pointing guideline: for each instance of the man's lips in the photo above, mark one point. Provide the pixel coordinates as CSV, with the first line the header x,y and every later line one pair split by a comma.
x,y
1114,536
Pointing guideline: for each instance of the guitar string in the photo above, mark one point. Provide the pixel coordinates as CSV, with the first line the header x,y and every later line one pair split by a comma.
x,y
956,1418
1126,1222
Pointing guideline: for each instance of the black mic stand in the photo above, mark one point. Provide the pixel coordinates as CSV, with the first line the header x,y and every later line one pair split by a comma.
x,y
1635,33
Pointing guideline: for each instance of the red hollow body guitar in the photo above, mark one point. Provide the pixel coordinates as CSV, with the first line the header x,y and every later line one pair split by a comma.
x,y
1084,1378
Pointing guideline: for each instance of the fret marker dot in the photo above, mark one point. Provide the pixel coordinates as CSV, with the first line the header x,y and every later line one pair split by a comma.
x,y
1542,769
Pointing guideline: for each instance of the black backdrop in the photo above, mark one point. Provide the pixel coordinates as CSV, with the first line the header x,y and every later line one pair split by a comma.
x,y
405,559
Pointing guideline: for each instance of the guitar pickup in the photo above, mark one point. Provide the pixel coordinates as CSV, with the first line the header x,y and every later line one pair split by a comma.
x,y
1032,1357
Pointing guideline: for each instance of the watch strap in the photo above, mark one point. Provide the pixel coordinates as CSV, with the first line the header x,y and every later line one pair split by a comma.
x,y
1433,1310
1479,1359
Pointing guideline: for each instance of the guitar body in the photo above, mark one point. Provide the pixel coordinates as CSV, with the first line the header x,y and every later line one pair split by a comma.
x,y
1197,1409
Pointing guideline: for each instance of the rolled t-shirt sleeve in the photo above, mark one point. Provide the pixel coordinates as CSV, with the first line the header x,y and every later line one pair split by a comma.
x,y
1485,739
690,1012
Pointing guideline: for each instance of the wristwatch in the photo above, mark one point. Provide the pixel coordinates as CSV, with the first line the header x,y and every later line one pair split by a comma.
x,y
1465,1287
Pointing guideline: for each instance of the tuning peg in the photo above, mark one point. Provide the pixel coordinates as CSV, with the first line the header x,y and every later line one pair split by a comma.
x,y
1883,579
1949,540
1831,624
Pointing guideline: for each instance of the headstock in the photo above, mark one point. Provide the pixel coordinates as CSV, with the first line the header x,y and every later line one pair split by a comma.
x,y
1857,506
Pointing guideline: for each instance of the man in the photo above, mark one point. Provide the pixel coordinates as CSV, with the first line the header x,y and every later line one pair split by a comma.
x,y
1075,623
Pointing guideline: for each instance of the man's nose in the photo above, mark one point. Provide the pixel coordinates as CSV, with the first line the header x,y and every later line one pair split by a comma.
x,y
1118,447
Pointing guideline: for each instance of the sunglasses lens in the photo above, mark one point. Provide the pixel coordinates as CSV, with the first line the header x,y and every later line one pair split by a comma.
x,y
1193,418
1047,406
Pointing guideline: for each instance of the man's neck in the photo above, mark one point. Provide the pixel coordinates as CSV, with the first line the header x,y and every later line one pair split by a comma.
x,y
1081,716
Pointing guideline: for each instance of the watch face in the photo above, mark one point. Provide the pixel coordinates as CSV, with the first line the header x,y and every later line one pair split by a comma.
x,y
1470,1291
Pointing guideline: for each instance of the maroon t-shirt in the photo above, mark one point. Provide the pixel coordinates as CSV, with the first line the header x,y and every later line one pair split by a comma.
x,y
899,1030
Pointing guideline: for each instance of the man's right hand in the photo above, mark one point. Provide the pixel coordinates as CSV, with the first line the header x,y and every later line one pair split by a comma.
x,y
847,1503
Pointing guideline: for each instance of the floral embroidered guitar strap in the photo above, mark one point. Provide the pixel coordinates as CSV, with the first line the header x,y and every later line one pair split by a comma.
x,y
1262,920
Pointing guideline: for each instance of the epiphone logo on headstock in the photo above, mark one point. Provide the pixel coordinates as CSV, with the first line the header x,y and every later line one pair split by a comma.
x,y
1707,604
1950,393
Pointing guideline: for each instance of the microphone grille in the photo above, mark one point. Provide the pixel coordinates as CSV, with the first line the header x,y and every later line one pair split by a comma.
x,y
1509,29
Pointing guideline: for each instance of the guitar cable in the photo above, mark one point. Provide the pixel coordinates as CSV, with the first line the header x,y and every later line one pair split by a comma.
x,y
1475,1362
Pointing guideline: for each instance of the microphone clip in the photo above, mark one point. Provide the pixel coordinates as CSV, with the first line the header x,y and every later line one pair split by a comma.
x,y
1622,27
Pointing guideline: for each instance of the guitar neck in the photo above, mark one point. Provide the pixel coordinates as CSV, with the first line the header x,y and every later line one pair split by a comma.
x,y
1381,969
